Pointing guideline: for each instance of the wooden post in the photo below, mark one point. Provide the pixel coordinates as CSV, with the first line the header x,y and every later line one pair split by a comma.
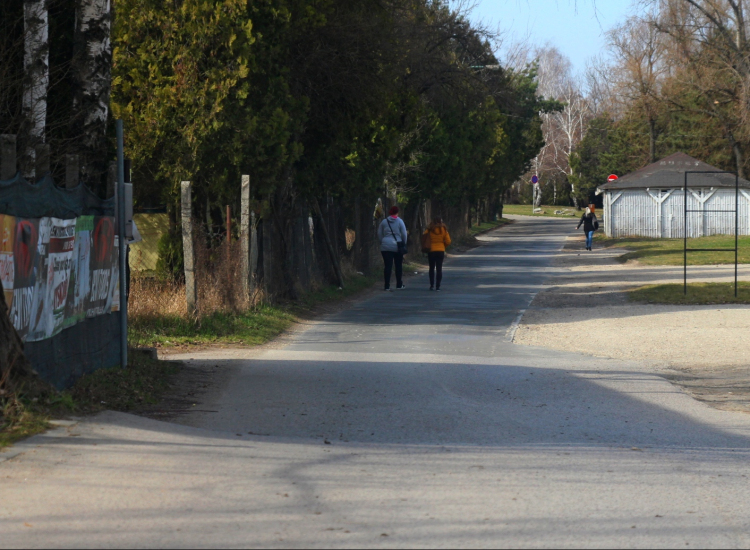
x,y
8,163
245,236
191,291
72,171
42,160
358,249
229,228
268,257
253,252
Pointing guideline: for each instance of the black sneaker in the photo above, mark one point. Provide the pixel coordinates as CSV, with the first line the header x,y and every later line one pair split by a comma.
x,y
432,288
402,287
387,289
438,290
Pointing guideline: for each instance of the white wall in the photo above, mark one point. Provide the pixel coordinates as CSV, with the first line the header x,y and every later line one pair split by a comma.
x,y
660,213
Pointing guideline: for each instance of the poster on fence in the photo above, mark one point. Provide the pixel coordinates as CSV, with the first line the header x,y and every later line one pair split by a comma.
x,y
99,298
80,272
40,311
7,232
25,248
56,272
61,244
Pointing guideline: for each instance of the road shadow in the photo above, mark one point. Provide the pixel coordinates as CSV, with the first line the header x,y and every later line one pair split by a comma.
x,y
458,403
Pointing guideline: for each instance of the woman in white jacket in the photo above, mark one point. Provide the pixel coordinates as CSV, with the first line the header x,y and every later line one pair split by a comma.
x,y
392,236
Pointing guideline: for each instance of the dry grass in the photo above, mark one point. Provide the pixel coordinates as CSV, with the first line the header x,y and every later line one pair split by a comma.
x,y
219,283
158,310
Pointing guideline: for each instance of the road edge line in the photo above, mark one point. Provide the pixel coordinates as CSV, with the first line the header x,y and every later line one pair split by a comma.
x,y
511,333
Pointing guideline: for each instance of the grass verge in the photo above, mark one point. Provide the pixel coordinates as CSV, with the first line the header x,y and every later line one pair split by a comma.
x,y
670,251
253,327
18,422
547,211
487,226
143,382
250,328
697,294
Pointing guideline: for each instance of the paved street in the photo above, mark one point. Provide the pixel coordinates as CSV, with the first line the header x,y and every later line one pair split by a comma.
x,y
407,420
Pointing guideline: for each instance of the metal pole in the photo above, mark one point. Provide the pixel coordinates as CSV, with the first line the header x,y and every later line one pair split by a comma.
x,y
736,227
685,229
123,245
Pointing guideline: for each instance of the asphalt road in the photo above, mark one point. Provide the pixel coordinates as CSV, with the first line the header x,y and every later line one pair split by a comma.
x,y
407,420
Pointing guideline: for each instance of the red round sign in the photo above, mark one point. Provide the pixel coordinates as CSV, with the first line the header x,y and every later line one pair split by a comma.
x,y
612,177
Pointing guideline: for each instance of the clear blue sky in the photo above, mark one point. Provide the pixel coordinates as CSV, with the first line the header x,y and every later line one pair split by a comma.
x,y
576,27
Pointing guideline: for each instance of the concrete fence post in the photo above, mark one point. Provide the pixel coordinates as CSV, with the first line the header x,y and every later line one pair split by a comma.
x,y
72,171
8,162
191,290
247,274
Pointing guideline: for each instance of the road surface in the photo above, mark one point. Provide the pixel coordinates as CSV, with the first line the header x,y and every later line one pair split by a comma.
x,y
407,420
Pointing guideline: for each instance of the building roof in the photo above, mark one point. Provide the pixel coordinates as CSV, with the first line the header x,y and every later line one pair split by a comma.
x,y
669,173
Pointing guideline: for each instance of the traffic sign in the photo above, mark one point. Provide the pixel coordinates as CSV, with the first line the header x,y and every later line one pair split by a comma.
x,y
612,177
534,180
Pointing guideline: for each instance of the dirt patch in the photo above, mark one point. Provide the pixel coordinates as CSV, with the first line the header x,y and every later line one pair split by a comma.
x,y
587,309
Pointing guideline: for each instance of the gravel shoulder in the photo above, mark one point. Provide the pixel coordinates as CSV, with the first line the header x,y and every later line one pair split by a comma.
x,y
586,309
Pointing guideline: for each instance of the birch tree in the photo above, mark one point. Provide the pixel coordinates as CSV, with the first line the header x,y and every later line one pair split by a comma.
x,y
36,80
92,69
563,129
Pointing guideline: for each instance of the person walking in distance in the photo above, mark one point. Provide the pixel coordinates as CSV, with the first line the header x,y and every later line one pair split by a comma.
x,y
392,237
437,238
590,224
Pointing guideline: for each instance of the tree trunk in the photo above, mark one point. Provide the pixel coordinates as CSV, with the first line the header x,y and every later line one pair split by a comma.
x,y
329,244
738,157
573,195
13,362
36,81
92,71
652,139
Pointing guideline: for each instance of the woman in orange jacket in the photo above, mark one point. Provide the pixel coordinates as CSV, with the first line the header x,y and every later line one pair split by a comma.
x,y
439,239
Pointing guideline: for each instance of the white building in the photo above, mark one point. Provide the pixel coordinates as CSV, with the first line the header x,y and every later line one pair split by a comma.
x,y
650,203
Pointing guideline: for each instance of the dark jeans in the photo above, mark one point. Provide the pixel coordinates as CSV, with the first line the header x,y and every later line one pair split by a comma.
x,y
436,264
389,258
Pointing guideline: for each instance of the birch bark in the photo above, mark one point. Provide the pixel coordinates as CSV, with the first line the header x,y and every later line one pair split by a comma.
x,y
36,80
92,70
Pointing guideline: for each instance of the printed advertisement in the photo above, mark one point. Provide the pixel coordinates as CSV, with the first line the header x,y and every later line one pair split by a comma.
x,y
56,272
41,310
7,271
80,272
99,298
61,245
25,250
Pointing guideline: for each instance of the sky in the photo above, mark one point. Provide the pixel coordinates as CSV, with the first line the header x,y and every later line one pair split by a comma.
x,y
576,27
